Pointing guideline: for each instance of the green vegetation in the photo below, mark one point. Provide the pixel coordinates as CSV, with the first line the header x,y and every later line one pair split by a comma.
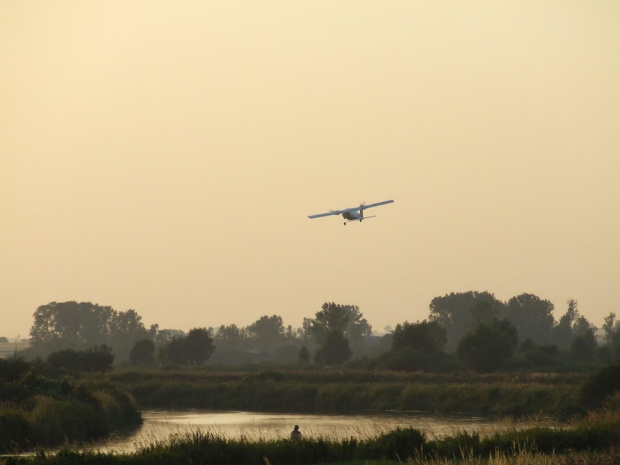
x,y
475,354
43,411
595,434
464,331
355,391
97,358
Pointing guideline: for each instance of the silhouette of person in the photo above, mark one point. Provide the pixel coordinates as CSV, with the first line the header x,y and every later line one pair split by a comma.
x,y
296,434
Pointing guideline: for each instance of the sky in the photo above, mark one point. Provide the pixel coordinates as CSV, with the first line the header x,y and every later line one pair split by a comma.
x,y
164,156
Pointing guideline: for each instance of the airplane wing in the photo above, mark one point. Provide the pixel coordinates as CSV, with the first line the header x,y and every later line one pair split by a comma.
x,y
377,204
335,212
340,212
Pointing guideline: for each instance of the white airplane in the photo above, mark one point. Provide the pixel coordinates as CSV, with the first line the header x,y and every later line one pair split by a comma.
x,y
352,214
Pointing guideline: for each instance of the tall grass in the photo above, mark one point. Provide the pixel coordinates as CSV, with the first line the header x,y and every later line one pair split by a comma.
x,y
586,440
346,392
51,412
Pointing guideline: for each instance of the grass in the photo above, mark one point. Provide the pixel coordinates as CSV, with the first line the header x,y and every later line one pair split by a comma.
x,y
354,392
588,440
43,412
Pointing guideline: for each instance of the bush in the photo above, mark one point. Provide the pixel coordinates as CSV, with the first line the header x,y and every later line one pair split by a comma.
x,y
97,358
601,385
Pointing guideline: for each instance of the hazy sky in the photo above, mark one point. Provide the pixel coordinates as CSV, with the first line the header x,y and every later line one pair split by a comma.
x,y
163,156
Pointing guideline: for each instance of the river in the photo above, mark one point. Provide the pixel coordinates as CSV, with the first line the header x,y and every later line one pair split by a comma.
x,y
160,424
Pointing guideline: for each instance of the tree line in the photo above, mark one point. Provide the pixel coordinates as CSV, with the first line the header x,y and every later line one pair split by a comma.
x,y
471,330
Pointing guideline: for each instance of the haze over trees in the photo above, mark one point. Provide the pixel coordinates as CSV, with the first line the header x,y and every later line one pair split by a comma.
x,y
78,326
461,313
469,330
489,347
193,349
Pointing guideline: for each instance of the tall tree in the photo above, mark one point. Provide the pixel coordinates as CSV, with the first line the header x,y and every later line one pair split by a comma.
x,y
489,347
230,336
127,326
335,349
460,313
611,326
85,322
142,352
267,332
335,317
199,345
195,348
426,336
563,333
612,334
532,316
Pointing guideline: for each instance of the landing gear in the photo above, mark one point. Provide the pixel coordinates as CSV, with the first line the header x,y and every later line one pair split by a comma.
x,y
345,223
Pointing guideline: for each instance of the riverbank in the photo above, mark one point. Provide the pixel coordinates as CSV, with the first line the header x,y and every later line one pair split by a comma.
x,y
356,392
37,411
589,440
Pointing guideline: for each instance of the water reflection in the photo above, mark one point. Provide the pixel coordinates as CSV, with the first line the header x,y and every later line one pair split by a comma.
x,y
160,424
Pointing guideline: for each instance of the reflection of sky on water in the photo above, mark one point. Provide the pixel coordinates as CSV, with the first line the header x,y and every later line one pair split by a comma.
x,y
161,424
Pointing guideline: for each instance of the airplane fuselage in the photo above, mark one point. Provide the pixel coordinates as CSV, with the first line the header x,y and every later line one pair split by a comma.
x,y
352,216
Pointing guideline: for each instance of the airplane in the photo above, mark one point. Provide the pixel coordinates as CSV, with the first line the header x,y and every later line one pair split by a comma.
x,y
354,213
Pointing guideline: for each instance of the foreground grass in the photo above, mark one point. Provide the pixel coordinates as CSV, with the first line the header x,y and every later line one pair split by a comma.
x,y
589,440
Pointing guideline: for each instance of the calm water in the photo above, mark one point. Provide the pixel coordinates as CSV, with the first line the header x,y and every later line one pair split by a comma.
x,y
161,424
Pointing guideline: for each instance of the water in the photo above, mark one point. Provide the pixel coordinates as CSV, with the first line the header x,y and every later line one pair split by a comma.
x,y
160,424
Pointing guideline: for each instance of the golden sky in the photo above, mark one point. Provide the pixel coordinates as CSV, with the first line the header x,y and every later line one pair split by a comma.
x,y
164,156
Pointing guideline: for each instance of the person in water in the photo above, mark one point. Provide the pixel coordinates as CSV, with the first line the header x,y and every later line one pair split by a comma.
x,y
296,434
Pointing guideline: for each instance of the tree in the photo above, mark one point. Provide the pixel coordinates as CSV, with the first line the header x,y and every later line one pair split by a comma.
x,y
532,316
611,327
414,347
142,352
72,322
426,336
77,325
199,345
194,348
489,347
175,351
573,325
335,349
584,345
612,334
230,336
127,326
267,332
335,317
167,335
461,313
563,331
304,356
85,323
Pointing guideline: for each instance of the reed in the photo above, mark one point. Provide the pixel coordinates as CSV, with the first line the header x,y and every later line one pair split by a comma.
x,y
50,412
588,440
344,392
